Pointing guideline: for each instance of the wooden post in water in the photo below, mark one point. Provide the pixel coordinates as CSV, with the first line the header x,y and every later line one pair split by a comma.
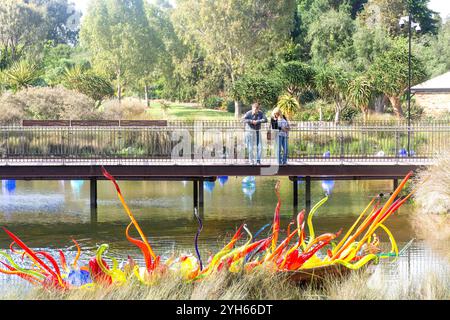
x,y
201,200
195,182
201,193
295,195
93,199
308,194
395,184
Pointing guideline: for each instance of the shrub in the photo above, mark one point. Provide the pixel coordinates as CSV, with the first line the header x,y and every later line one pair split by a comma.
x,y
264,89
213,102
128,109
46,104
94,86
230,106
288,105
21,75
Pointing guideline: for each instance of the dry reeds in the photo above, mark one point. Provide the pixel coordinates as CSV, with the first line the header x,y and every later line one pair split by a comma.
x,y
432,217
262,285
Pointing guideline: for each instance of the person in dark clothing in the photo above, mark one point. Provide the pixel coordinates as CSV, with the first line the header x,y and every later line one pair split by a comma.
x,y
279,123
253,120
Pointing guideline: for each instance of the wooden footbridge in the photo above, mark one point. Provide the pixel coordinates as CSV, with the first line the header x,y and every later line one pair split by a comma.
x,y
204,150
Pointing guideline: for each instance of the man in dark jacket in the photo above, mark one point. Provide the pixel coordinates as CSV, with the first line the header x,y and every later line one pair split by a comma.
x,y
253,120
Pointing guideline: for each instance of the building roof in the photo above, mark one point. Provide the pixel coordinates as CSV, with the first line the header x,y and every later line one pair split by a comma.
x,y
440,84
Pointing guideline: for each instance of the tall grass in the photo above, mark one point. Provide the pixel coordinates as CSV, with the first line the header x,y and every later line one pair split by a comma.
x,y
432,217
262,285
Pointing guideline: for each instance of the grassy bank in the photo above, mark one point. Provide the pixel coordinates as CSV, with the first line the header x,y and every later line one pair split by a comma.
x,y
255,286
186,111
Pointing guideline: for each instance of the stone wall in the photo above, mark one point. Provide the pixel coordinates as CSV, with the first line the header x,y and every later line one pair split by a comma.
x,y
434,103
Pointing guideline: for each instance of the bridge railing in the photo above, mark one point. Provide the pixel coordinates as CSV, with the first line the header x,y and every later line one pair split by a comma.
x,y
208,141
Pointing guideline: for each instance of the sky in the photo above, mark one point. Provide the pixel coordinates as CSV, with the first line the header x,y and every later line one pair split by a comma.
x,y
440,6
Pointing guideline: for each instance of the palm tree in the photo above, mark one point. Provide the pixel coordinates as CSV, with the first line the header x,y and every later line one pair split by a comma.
x,y
288,105
359,92
331,83
22,74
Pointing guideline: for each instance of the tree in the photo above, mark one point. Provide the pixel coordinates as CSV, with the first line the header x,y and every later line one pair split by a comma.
x,y
23,74
263,89
288,105
436,51
331,35
387,13
62,20
389,73
359,92
120,40
232,33
88,83
332,84
296,77
22,26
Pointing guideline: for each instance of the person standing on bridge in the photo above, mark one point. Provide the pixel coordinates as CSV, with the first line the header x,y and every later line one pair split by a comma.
x,y
253,120
279,123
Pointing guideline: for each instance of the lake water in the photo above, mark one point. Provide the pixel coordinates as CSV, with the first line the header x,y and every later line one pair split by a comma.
x,y
46,214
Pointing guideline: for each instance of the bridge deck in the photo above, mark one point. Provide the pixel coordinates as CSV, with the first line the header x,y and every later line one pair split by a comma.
x,y
168,170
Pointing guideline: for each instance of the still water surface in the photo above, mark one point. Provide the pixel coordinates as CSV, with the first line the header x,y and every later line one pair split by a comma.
x,y
47,214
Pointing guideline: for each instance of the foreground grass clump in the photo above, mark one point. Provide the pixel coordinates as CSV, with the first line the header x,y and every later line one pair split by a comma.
x,y
432,217
261,285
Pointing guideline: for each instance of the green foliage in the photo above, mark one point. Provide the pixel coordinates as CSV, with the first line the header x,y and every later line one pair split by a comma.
x,y
435,50
94,86
22,74
121,42
331,36
386,13
389,72
288,105
57,58
368,43
22,27
359,93
213,102
296,77
233,33
62,20
264,89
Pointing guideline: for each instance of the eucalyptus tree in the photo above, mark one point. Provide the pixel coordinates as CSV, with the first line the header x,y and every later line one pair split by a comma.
x,y
389,73
22,27
331,36
233,33
120,40
388,12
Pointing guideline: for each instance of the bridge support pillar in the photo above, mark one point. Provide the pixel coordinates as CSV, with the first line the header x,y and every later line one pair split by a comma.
x,y
93,199
195,194
295,195
395,184
199,196
308,194
201,193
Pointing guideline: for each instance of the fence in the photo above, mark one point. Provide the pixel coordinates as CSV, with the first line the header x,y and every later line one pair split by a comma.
x,y
223,141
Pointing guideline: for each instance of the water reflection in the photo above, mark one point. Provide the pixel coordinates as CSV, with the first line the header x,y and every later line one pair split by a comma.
x,y
76,186
328,186
8,186
223,180
249,186
209,186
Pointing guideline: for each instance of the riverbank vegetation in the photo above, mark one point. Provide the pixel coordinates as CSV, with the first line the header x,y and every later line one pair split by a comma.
x,y
321,59
432,217
261,285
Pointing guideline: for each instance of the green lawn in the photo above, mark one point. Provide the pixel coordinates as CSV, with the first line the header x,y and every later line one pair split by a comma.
x,y
180,111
